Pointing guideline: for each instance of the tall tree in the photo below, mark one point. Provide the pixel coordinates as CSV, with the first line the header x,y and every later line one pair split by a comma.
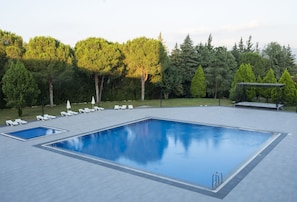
x,y
241,45
11,47
19,86
160,38
164,62
47,58
189,63
143,58
279,58
204,54
269,78
11,44
198,85
209,43
220,72
241,48
171,77
98,56
236,53
256,61
249,45
290,91
171,82
243,74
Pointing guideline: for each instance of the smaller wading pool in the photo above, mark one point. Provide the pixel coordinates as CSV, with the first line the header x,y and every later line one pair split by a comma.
x,y
197,157
33,133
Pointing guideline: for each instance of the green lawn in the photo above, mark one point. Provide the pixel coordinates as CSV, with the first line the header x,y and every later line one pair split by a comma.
x,y
29,113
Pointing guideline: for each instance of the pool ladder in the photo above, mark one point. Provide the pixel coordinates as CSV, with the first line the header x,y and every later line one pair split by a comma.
x,y
217,179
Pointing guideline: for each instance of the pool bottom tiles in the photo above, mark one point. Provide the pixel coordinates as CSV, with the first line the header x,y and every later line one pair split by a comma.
x,y
194,156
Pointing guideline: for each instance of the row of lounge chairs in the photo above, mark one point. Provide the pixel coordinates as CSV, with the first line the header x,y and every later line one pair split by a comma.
x,y
21,122
15,122
87,110
45,117
81,111
48,117
117,107
68,113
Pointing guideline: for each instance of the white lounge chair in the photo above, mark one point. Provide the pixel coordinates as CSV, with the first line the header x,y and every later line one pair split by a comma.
x,y
72,112
81,111
98,108
41,118
20,121
63,113
130,107
49,116
11,123
116,107
124,107
89,110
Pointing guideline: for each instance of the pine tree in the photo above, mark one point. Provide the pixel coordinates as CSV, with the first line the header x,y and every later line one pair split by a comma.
x,y
173,76
198,85
19,86
189,63
220,72
249,45
279,58
241,46
255,60
236,53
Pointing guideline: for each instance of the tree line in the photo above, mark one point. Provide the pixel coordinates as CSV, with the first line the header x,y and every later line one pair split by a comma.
x,y
45,70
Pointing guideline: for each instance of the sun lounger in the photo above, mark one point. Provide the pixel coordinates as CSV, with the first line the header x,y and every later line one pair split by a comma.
x,y
20,121
130,107
63,113
41,118
81,111
124,107
116,107
72,112
11,123
98,108
89,110
49,116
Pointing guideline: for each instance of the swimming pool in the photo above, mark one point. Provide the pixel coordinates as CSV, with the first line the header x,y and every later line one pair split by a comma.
x,y
192,154
34,132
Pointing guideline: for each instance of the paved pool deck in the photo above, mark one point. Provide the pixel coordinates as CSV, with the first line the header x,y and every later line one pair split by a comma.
x,y
30,173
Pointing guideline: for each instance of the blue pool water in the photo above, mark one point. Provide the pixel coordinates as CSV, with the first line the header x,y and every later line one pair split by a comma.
x,y
35,132
185,152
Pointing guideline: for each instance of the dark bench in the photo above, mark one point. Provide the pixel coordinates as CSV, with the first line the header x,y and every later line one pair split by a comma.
x,y
260,105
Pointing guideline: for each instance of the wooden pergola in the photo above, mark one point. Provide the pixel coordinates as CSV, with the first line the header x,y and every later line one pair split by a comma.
x,y
279,103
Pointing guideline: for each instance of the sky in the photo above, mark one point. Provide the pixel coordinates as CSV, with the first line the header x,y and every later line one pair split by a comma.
x,y
70,21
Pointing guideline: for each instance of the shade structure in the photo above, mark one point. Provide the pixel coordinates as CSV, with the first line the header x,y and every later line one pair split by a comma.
x,y
68,106
93,100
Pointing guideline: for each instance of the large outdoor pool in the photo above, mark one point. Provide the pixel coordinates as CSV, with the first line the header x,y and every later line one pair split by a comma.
x,y
199,155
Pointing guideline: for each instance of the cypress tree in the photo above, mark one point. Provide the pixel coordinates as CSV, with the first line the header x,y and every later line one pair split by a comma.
x,y
290,91
198,85
243,74
269,78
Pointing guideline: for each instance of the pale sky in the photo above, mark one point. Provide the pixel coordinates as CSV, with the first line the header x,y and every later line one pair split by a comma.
x,y
70,21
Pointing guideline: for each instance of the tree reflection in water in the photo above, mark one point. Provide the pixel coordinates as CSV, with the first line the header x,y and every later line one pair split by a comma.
x,y
189,152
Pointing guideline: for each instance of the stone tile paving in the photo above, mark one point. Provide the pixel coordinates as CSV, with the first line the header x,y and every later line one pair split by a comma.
x,y
29,173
